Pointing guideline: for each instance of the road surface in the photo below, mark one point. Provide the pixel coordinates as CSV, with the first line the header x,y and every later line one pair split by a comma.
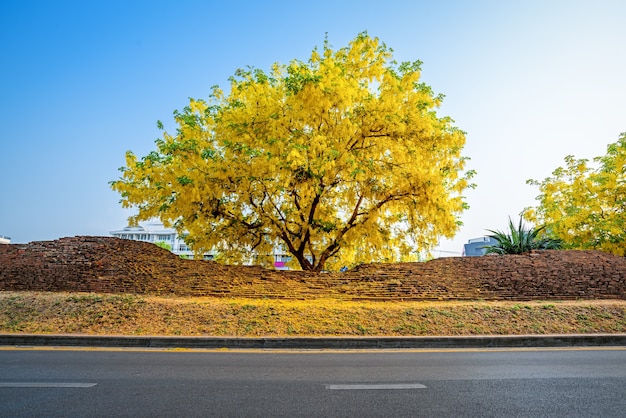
x,y
436,383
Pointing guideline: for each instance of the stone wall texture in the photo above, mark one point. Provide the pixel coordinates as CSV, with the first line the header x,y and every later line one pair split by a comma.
x,y
112,265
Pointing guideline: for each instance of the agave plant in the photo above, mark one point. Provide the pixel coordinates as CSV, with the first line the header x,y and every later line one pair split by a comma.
x,y
520,240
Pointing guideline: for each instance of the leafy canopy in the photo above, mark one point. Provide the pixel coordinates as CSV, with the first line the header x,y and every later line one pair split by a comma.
x,y
338,160
585,205
521,240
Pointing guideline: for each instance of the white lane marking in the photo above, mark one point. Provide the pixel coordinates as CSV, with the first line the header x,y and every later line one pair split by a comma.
x,y
376,386
46,385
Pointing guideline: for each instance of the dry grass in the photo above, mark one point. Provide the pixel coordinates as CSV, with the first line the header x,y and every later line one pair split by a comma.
x,y
124,314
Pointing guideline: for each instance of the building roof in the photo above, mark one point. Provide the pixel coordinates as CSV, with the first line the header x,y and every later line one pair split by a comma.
x,y
149,228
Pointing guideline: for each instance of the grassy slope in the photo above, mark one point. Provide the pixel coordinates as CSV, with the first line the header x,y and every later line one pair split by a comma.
x,y
87,313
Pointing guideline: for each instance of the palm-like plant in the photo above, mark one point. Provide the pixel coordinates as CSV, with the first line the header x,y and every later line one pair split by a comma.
x,y
520,240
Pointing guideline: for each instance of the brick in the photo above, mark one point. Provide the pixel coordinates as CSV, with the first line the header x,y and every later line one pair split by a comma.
x,y
112,265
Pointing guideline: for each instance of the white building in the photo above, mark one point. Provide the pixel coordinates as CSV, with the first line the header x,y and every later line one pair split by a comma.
x,y
4,240
155,232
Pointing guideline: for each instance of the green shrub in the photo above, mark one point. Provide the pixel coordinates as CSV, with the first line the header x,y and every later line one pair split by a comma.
x,y
521,239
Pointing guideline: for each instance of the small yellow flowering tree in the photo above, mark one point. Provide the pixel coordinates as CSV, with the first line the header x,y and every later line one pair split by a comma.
x,y
338,160
585,206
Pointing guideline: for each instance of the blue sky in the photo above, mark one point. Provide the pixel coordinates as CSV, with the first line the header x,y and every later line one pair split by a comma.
x,y
82,82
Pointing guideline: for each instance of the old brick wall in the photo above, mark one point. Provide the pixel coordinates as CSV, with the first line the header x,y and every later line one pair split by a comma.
x,y
112,265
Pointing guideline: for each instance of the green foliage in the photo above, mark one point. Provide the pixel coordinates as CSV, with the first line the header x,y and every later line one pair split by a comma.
x,y
521,239
163,245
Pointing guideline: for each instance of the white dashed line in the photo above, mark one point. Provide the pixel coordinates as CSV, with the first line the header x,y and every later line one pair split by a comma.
x,y
46,385
376,386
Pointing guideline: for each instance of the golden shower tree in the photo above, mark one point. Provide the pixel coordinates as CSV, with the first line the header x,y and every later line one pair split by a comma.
x,y
338,160
584,203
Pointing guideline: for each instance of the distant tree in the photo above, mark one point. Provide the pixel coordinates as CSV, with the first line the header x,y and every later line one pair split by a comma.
x,y
520,240
585,205
163,245
338,160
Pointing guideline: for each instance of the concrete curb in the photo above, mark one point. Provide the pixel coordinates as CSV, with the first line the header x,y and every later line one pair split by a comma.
x,y
482,341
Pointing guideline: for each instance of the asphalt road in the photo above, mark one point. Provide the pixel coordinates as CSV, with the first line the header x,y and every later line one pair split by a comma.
x,y
580,382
